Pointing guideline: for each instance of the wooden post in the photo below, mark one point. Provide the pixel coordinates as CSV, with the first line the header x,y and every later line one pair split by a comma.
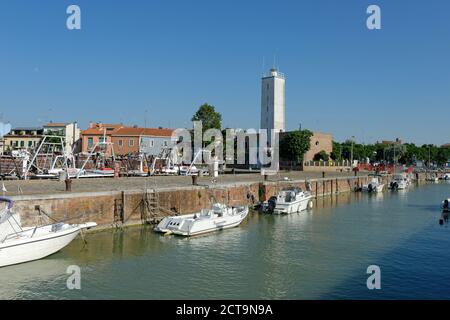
x,y
317,189
122,218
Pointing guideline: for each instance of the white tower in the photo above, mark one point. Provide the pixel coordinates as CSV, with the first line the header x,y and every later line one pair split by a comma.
x,y
273,101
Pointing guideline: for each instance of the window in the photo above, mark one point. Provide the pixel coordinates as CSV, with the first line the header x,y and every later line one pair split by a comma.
x,y
165,143
120,143
90,142
30,144
22,144
102,139
131,143
152,143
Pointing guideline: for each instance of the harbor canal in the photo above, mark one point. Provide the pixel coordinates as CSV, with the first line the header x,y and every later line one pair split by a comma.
x,y
319,254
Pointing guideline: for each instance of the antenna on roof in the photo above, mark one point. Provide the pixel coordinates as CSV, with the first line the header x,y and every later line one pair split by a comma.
x,y
145,119
263,64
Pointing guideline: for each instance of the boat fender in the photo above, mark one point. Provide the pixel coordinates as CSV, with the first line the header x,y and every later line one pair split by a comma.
x,y
310,204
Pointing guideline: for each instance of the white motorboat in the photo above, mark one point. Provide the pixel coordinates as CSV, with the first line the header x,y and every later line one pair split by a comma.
x,y
22,244
374,185
220,217
446,177
292,200
399,182
446,205
432,179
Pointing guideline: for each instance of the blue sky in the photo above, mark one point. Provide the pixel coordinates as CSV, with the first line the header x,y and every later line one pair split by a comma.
x,y
168,57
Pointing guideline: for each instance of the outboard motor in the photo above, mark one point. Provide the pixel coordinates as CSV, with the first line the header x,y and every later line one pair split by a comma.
x,y
370,188
445,205
272,203
394,185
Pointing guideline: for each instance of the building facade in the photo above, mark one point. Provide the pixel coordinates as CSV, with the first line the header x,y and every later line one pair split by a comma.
x,y
24,138
69,131
273,101
153,141
2,145
125,140
319,142
96,134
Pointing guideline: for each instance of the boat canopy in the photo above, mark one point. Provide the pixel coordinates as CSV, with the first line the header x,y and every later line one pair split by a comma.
x,y
294,190
8,201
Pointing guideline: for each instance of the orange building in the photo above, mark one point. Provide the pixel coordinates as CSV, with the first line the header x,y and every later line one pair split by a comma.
x,y
125,140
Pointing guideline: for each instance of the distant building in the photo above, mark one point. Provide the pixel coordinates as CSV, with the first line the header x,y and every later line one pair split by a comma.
x,y
127,140
273,101
2,145
447,145
319,142
98,133
149,141
389,143
22,138
69,131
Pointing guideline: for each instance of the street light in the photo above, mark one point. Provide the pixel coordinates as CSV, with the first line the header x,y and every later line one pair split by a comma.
x,y
351,161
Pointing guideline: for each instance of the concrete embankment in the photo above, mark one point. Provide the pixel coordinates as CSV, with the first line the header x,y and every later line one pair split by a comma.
x,y
136,206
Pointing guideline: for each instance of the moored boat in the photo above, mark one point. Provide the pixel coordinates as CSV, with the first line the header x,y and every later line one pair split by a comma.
x,y
374,185
220,217
22,244
399,182
292,200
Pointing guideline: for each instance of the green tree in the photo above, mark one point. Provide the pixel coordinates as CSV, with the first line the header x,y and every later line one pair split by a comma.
x,y
294,145
321,156
210,118
336,154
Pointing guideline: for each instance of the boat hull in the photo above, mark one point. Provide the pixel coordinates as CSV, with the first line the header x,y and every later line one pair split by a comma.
x,y
292,207
29,249
188,226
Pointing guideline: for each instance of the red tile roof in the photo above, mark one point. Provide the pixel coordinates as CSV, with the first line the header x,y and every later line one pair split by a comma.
x,y
129,131
56,124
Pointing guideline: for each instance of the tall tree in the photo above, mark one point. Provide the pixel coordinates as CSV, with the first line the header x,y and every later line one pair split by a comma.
x,y
295,144
210,118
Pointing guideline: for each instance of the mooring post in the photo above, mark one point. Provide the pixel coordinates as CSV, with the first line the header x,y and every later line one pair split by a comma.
x,y
122,217
317,189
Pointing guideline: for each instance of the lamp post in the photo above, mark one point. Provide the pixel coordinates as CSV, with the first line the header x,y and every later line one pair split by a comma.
x,y
351,157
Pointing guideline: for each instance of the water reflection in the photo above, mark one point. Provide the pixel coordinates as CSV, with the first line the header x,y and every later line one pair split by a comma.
x,y
320,253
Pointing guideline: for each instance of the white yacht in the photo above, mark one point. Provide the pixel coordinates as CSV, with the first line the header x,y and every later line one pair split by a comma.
x,y
220,217
399,182
374,185
22,244
292,200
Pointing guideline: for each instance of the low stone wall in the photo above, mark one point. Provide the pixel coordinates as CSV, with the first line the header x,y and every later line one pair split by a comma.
x,y
112,209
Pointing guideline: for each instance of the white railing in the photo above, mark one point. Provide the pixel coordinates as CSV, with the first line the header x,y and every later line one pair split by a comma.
x,y
343,163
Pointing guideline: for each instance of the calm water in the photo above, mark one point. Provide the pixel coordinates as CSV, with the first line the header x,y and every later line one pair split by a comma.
x,y
322,254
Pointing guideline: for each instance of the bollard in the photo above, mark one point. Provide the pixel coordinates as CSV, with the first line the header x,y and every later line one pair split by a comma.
x,y
194,180
266,177
68,184
323,174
